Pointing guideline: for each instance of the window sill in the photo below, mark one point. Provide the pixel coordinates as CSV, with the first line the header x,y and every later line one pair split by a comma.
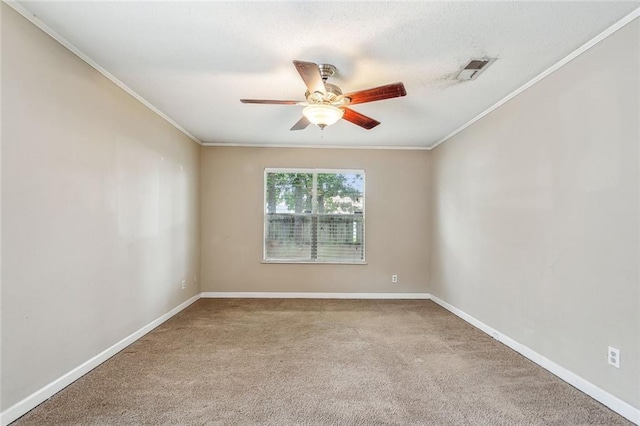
x,y
306,262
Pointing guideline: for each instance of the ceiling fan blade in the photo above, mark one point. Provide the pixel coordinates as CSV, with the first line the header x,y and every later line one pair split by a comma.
x,y
301,124
268,101
359,119
311,76
377,94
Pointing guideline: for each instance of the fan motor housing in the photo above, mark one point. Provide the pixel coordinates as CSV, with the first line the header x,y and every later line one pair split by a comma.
x,y
334,94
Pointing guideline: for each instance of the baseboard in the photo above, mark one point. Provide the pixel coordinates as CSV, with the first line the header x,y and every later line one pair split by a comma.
x,y
304,295
624,409
41,395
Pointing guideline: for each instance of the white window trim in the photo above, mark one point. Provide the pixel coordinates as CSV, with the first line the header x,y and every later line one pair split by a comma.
x,y
314,193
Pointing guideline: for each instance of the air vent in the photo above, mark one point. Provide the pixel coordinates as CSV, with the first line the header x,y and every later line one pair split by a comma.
x,y
474,68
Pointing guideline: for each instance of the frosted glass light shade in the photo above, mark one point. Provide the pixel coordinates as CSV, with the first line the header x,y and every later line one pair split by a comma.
x,y
322,115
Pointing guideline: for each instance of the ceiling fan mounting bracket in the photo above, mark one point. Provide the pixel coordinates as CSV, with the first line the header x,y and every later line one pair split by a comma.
x,y
327,70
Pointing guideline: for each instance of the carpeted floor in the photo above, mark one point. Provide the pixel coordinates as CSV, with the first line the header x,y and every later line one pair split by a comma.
x,y
318,362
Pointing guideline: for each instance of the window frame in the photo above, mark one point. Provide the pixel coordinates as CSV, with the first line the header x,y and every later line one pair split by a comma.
x,y
313,171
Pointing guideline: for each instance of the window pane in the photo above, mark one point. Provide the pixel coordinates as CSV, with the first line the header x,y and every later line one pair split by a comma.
x,y
329,228
288,236
341,238
288,207
289,192
340,224
340,193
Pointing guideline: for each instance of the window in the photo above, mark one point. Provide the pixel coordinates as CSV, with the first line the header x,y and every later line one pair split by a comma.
x,y
314,216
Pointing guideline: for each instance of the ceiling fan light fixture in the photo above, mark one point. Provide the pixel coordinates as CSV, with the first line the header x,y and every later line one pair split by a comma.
x,y
325,103
322,115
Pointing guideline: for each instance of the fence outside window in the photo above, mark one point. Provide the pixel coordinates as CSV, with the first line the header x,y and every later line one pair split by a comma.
x,y
314,216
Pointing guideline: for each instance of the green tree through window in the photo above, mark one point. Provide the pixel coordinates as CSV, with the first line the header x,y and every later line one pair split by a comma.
x,y
314,216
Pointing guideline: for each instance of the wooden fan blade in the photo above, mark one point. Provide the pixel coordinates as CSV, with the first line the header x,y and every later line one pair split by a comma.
x,y
268,101
359,119
377,94
311,76
301,124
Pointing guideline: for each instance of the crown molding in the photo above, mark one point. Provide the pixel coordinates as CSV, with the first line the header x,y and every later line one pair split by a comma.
x,y
257,145
579,51
38,23
597,39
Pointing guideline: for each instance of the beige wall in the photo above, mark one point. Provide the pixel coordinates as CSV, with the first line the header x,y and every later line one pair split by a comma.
x,y
100,211
536,216
397,211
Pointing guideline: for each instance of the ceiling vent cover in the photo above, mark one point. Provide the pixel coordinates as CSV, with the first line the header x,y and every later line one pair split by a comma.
x,y
474,68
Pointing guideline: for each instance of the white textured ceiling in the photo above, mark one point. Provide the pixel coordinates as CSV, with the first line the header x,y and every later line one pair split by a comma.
x,y
194,60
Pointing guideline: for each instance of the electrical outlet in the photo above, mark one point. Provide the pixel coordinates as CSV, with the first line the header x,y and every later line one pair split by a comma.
x,y
613,357
394,278
184,284
195,279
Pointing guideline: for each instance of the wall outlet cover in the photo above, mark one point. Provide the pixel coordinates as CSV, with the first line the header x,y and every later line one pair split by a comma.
x,y
613,356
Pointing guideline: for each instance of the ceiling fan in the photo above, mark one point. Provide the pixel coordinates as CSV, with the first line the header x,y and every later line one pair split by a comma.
x,y
325,103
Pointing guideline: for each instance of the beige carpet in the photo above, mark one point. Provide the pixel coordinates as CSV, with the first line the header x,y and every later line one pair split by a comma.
x,y
318,362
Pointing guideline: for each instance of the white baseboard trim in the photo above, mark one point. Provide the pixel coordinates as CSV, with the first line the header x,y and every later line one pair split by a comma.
x,y
303,295
624,409
19,409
